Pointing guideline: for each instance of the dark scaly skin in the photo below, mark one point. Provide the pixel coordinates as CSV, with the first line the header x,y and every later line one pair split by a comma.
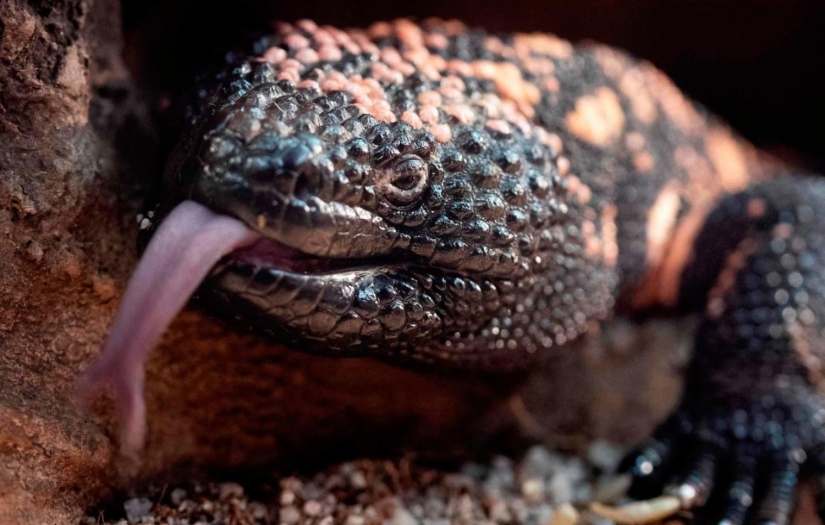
x,y
453,199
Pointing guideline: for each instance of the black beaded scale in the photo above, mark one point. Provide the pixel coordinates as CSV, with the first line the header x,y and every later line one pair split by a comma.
x,y
454,199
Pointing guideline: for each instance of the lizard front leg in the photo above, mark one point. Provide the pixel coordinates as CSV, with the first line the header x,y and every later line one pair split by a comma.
x,y
752,413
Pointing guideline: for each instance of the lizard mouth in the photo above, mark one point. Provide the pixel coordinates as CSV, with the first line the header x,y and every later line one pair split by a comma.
x,y
270,254
191,243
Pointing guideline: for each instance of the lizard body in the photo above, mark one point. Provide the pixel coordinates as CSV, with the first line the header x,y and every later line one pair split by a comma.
x,y
441,197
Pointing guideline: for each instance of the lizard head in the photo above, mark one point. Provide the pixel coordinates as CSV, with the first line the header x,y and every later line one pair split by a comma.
x,y
375,236
390,209
362,194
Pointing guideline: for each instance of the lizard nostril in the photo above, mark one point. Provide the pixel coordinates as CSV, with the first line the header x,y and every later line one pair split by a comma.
x,y
295,156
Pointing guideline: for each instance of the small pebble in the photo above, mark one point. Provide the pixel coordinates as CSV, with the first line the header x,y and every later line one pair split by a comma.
x,y
560,488
137,508
290,514
312,508
358,480
401,516
177,496
605,455
498,511
540,514
258,510
230,490
533,489
564,514
354,520
287,497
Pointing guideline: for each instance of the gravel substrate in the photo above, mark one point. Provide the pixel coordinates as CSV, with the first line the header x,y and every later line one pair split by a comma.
x,y
542,488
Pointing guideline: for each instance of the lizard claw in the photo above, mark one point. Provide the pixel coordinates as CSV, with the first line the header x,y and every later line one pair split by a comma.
x,y
736,474
639,512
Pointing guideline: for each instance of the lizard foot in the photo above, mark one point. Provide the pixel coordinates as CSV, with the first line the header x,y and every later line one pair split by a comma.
x,y
734,464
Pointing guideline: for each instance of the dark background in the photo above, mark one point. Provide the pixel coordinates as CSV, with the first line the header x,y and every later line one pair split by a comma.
x,y
757,63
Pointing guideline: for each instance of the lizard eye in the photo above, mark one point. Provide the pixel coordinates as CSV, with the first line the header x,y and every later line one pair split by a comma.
x,y
405,181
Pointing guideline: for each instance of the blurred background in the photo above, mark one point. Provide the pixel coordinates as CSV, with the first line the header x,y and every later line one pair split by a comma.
x,y
757,63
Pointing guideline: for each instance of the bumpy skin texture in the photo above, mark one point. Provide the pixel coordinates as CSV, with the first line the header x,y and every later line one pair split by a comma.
x,y
448,198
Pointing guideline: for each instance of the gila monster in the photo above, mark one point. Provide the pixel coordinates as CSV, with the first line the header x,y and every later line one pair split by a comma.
x,y
440,197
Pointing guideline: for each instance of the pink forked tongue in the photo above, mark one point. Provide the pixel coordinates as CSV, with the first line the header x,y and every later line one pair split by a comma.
x,y
181,253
